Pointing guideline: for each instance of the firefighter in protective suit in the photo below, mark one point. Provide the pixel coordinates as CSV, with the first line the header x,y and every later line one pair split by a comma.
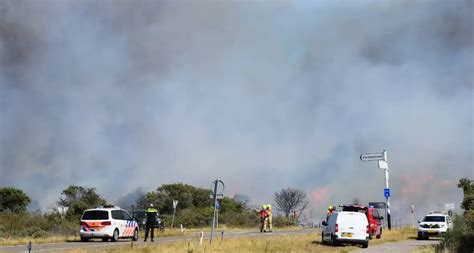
x,y
331,210
263,218
150,221
269,218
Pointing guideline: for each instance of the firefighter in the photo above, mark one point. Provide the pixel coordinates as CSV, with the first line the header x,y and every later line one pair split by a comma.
x,y
151,214
331,209
263,218
269,218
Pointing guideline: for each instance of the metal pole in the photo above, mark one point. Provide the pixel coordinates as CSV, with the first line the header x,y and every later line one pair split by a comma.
x,y
172,221
388,201
215,207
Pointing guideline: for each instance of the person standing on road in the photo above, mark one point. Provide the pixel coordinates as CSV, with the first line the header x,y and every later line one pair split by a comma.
x,y
263,218
269,218
151,213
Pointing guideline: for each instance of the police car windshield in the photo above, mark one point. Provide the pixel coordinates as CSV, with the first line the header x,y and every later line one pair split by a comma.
x,y
434,218
95,215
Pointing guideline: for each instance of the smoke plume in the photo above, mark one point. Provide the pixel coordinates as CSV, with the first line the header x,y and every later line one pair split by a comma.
x,y
263,95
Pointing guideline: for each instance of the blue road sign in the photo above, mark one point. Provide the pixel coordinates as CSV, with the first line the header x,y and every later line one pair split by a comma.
x,y
386,192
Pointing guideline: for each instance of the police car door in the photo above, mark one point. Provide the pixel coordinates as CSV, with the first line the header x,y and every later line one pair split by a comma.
x,y
119,221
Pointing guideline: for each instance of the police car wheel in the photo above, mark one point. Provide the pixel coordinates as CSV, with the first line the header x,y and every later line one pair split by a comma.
x,y
115,236
135,235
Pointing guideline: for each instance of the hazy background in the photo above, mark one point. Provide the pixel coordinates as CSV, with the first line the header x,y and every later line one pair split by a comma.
x,y
263,95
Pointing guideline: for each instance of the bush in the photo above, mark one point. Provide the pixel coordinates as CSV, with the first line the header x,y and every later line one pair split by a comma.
x,y
461,237
238,219
282,221
35,225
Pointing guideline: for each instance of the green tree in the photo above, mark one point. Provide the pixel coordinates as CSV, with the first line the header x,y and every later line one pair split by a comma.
x,y
150,198
195,207
188,196
461,237
78,199
14,200
468,189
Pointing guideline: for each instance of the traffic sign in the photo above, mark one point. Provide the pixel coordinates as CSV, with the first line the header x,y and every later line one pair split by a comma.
x,y
218,196
386,193
372,157
383,165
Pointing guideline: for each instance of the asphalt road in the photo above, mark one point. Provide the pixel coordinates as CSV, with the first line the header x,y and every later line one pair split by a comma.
x,y
57,247
397,247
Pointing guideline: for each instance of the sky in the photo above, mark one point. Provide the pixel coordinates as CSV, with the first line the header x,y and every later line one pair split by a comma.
x,y
264,95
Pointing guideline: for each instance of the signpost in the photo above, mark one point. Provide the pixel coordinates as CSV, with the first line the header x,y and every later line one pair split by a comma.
x,y
215,196
383,164
386,193
175,204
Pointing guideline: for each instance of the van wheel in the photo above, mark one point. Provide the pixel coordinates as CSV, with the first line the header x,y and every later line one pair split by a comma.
x,y
84,239
115,236
135,235
379,235
105,239
365,244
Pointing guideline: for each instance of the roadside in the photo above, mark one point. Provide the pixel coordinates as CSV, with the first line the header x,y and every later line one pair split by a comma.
x,y
160,242
252,241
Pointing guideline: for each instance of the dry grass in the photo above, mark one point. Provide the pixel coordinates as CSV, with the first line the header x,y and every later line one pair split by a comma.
x,y
274,244
25,240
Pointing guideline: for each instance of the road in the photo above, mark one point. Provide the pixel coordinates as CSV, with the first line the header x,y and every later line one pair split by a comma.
x,y
396,247
56,247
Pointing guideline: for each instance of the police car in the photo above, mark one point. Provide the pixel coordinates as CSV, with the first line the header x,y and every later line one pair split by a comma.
x,y
108,222
434,224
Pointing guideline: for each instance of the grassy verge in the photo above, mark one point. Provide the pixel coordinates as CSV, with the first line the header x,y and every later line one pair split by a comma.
x,y
11,241
295,243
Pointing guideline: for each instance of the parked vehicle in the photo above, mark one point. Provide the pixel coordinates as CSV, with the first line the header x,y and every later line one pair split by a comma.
x,y
346,227
373,217
140,216
434,224
108,222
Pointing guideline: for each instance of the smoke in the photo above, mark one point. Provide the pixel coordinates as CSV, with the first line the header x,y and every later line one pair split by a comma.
x,y
263,95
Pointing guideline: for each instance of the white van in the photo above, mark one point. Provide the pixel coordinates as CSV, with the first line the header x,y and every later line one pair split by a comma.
x,y
346,227
108,222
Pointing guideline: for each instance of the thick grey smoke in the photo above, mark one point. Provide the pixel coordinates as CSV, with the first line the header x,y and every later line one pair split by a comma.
x,y
263,95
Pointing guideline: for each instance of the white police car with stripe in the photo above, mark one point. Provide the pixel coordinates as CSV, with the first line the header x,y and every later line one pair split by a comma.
x,y
108,222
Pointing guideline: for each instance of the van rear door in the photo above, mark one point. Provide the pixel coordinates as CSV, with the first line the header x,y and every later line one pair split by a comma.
x,y
352,225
